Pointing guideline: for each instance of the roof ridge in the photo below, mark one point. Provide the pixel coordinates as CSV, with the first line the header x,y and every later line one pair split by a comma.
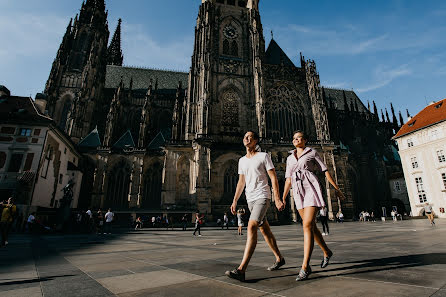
x,y
150,68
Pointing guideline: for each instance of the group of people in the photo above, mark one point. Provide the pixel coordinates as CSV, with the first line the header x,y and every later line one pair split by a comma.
x,y
95,222
254,169
365,216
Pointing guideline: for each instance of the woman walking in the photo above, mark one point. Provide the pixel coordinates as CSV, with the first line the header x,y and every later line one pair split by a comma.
x,y
300,168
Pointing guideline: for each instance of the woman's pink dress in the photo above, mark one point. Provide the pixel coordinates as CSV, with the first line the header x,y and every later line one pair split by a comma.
x,y
305,185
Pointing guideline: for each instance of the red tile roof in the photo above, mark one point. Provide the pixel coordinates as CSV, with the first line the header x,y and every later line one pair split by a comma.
x,y
431,114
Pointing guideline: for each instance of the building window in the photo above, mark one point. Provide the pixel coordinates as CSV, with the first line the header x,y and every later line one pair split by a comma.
x,y
25,132
443,178
420,190
60,178
37,132
440,155
28,162
434,134
65,151
230,109
7,130
225,47
397,186
15,163
409,142
414,162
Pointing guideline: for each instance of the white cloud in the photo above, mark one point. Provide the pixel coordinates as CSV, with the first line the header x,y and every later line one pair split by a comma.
x,y
384,76
141,49
30,35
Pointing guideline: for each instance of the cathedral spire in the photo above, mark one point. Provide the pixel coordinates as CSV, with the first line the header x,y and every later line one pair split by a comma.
x,y
394,120
387,116
401,119
114,52
382,116
375,110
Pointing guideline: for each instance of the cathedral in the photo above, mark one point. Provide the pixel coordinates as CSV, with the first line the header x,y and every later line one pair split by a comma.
x,y
158,141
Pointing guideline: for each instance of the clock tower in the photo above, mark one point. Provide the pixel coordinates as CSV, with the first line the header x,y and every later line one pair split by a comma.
x,y
225,81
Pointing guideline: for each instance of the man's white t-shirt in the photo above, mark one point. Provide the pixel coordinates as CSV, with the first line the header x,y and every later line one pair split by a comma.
x,y
108,217
256,176
89,214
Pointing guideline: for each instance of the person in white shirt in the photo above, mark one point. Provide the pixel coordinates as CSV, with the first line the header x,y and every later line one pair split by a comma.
x,y
254,169
108,221
323,217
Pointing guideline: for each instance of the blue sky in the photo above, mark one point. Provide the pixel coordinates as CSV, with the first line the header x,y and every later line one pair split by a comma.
x,y
387,51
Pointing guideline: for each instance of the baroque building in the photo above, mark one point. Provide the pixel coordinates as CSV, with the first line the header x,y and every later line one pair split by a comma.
x,y
158,140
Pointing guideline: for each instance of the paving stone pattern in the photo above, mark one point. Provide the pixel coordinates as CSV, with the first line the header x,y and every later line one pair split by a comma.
x,y
405,258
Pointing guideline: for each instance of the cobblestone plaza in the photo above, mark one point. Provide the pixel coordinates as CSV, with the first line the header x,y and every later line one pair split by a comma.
x,y
404,258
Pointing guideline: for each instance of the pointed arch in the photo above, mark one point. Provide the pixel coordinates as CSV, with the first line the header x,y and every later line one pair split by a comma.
x,y
118,185
151,198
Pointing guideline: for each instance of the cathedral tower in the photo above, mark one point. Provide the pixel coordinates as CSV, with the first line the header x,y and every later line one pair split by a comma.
x,y
225,82
77,76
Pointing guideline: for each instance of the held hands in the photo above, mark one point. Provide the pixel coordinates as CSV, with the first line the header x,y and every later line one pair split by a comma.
x,y
280,205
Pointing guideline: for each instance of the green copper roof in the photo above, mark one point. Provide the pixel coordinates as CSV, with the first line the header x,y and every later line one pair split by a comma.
x,y
141,77
125,141
160,139
92,140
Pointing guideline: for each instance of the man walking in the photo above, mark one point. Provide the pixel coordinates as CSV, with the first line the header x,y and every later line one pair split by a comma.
x,y
429,213
254,169
108,221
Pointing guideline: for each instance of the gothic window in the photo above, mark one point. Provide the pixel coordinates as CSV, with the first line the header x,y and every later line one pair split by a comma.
x,y
118,186
152,187
226,47
283,114
230,109
234,48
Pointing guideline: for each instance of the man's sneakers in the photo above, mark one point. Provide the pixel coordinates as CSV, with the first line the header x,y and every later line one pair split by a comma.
x,y
236,274
277,265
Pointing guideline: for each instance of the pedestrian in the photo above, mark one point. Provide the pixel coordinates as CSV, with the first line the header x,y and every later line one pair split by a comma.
x,y
8,215
171,222
254,169
30,222
108,221
153,222
240,224
225,221
184,222
392,214
372,217
100,218
429,213
300,168
198,222
138,223
323,216
340,217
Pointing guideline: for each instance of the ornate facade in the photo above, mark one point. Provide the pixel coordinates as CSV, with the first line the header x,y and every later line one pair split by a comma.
x,y
188,127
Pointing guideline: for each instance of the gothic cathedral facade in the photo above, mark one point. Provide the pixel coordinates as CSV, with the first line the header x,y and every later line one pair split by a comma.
x,y
157,140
